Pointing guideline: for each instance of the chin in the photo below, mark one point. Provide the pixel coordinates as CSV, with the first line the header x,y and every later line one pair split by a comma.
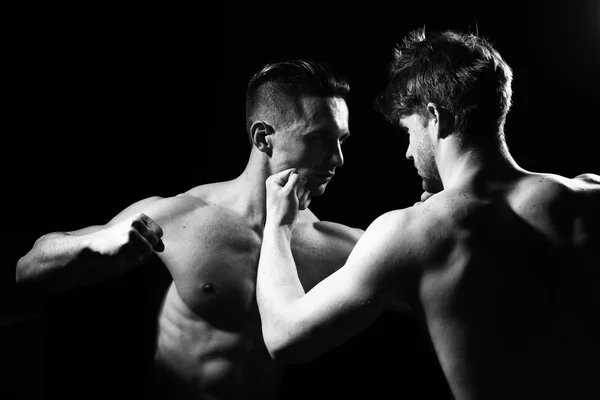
x,y
319,190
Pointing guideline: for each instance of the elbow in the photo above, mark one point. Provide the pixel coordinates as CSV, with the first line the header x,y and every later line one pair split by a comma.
x,y
22,271
284,350
26,271
589,178
277,351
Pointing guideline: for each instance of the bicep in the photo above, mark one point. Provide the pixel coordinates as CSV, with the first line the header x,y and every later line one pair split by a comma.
x,y
330,314
137,207
349,300
140,206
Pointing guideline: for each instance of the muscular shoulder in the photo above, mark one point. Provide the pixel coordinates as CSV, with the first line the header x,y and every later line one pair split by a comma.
x,y
587,189
554,187
558,195
592,181
164,210
172,207
428,232
310,230
555,205
586,224
205,199
321,233
414,235
393,250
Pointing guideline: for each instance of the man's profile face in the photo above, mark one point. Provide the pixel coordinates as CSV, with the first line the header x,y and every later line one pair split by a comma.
x,y
312,143
421,150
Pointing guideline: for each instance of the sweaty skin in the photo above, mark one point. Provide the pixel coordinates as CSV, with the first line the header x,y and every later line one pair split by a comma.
x,y
503,273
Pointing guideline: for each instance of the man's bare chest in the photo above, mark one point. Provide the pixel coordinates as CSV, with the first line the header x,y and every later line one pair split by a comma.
x,y
214,267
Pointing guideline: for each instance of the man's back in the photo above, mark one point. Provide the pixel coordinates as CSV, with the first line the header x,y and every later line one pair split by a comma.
x,y
509,301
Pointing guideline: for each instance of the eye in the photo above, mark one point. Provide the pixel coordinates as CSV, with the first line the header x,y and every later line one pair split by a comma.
x,y
403,131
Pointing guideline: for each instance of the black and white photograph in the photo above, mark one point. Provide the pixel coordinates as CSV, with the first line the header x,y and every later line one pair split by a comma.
x,y
301,200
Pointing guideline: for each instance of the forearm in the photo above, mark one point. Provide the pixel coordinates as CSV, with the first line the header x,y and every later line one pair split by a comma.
x,y
277,275
60,261
278,285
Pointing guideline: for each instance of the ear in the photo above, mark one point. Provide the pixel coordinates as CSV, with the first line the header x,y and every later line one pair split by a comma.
x,y
441,119
260,131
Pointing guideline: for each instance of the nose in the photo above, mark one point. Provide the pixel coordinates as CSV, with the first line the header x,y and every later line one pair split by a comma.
x,y
408,154
338,157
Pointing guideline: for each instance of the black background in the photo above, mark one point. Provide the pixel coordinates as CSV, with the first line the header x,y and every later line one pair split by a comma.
x,y
110,104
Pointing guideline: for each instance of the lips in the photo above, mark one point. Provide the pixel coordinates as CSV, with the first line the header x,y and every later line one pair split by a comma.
x,y
326,175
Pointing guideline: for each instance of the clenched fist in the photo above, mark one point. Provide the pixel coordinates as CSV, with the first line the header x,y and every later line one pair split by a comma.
x,y
131,240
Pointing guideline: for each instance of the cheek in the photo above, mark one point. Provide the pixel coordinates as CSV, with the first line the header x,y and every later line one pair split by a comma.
x,y
309,152
424,143
296,155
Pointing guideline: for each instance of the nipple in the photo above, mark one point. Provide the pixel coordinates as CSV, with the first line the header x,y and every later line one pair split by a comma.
x,y
208,288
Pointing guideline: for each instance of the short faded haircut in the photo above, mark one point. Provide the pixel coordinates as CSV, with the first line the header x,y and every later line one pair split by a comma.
x,y
274,92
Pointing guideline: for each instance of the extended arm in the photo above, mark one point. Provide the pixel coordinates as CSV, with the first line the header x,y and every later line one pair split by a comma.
x,y
64,260
298,325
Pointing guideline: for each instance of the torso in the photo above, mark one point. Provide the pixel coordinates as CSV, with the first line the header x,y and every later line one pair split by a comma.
x,y
210,343
511,297
209,337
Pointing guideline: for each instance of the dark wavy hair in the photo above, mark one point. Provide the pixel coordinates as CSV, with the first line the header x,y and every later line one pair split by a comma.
x,y
275,91
460,72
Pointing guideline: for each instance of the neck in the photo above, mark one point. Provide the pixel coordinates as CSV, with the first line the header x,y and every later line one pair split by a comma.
x,y
249,188
459,164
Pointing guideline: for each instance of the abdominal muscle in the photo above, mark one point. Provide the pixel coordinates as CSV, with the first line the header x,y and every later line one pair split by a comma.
x,y
197,360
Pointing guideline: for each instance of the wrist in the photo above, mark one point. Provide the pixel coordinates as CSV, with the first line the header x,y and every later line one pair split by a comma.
x,y
277,227
93,242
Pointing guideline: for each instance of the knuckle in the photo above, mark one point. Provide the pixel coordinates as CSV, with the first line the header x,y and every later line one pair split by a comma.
x,y
138,216
132,235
